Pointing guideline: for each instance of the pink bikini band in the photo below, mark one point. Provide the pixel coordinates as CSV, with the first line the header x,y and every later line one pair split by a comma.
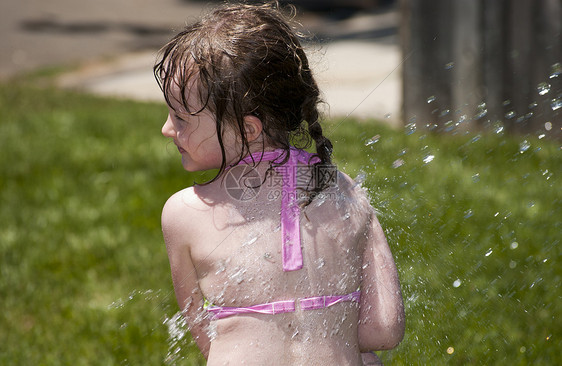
x,y
285,306
290,210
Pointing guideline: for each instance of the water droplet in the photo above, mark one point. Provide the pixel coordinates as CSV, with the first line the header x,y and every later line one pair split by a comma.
x,y
468,213
506,102
514,245
555,70
444,112
346,216
462,118
523,349
372,140
498,128
524,146
510,114
250,242
533,105
360,178
488,252
512,264
476,178
450,350
457,283
397,163
387,116
410,127
431,99
481,111
556,103
543,88
321,262
428,159
449,66
238,276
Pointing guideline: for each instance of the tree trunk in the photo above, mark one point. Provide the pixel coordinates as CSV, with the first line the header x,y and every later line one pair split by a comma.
x,y
474,64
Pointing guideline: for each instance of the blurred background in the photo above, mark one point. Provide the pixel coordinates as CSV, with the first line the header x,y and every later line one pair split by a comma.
x,y
108,47
442,65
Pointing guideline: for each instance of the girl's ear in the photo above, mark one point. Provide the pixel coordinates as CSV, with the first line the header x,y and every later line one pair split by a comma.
x,y
253,127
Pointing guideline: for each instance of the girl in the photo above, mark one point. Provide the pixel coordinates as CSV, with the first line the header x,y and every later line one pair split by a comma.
x,y
279,242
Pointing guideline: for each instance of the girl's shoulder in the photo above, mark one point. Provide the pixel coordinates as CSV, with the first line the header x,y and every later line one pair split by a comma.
x,y
354,191
179,209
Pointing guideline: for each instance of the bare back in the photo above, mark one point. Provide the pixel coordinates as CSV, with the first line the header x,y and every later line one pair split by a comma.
x,y
235,247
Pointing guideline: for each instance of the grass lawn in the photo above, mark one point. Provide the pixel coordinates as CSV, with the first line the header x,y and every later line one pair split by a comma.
x,y
474,222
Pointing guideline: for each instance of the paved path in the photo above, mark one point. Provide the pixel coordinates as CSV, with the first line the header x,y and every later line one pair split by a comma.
x,y
114,44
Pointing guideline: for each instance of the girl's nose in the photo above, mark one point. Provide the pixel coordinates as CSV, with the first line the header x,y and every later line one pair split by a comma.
x,y
168,128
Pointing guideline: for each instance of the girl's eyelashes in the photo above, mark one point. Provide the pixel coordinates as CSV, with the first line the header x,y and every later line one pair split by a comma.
x,y
178,118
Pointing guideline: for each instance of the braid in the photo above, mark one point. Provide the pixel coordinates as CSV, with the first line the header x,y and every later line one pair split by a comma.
x,y
323,145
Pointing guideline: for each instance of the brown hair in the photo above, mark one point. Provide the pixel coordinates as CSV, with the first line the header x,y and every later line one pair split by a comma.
x,y
247,61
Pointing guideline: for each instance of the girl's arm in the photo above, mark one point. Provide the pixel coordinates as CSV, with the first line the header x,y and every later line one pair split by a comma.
x,y
381,316
175,229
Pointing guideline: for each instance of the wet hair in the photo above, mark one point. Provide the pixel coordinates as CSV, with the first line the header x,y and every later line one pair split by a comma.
x,y
247,60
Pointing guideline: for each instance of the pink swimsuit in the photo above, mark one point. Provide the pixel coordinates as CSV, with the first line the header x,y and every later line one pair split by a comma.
x,y
290,230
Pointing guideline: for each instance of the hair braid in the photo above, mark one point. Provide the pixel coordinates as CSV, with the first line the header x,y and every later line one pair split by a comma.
x,y
323,145
312,117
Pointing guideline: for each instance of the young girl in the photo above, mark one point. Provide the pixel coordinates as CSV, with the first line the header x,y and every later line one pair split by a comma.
x,y
279,260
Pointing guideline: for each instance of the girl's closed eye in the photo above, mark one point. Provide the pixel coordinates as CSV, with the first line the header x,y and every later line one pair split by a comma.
x,y
178,118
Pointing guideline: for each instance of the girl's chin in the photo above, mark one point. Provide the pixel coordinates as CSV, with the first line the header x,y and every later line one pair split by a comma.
x,y
192,168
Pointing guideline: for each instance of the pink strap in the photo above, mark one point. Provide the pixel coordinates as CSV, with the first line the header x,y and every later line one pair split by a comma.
x,y
290,210
285,306
321,302
272,308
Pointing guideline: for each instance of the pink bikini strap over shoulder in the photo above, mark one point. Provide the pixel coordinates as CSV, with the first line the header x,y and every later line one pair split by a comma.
x,y
290,210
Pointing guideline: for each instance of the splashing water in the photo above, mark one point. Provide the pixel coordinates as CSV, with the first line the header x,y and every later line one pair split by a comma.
x,y
457,215
555,70
556,103
543,88
177,332
373,140
428,158
524,146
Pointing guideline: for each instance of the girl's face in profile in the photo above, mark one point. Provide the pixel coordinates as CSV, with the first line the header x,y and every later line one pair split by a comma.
x,y
196,135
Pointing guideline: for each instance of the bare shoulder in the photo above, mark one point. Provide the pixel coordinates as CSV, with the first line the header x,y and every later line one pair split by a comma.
x,y
178,203
354,192
178,213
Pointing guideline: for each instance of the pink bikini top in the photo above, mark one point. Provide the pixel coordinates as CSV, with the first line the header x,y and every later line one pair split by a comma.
x,y
291,243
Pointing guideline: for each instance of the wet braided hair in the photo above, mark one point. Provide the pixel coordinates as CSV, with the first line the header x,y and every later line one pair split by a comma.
x,y
248,61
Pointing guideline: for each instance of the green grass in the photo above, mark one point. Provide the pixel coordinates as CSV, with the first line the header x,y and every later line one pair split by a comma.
x,y
84,277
